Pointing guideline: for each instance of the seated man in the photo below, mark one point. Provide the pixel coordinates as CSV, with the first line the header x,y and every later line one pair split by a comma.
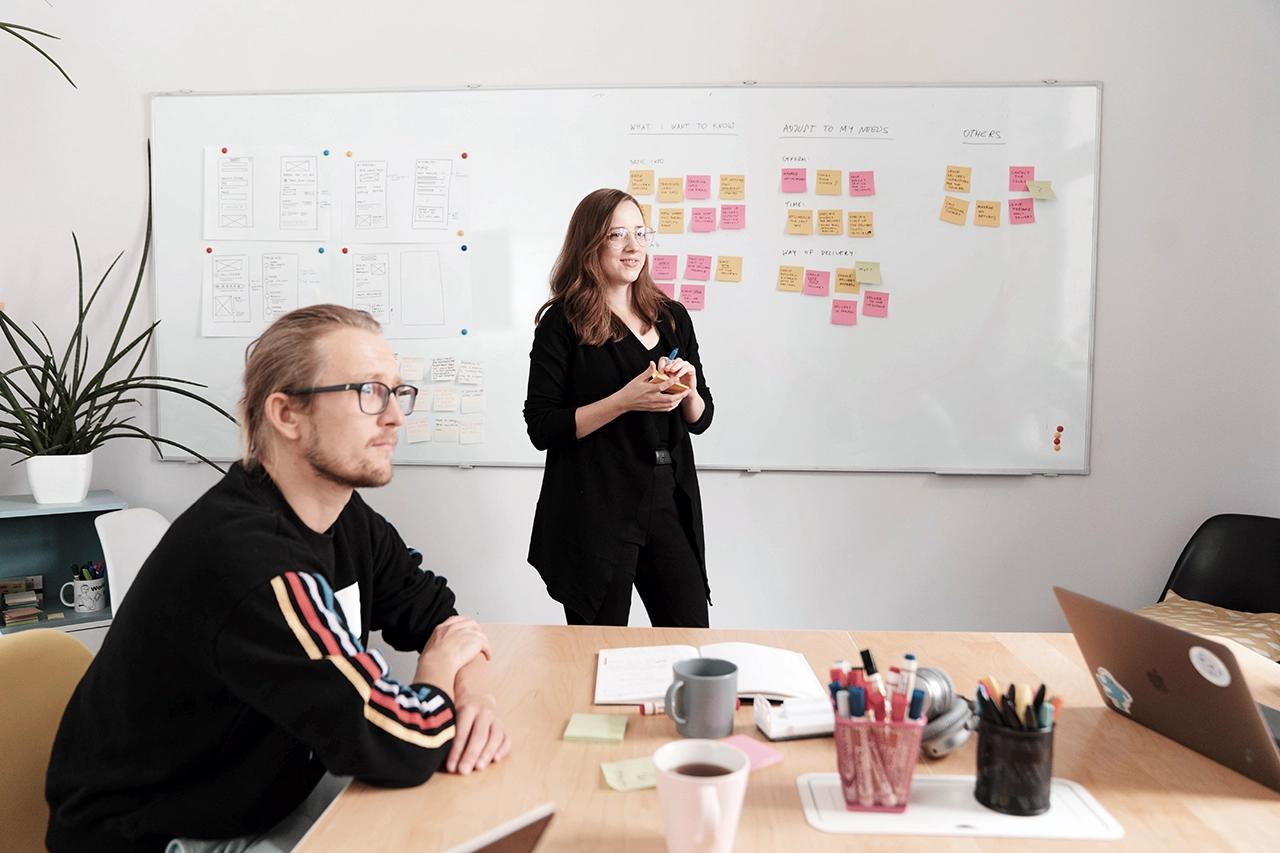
x,y
236,674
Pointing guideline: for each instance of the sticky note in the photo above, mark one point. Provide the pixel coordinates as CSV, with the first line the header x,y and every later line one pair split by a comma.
x,y
799,221
646,213
472,401
795,180
662,267
693,296
412,368
1022,211
733,187
607,728
761,755
733,216
862,223
827,181
791,279
445,431
671,220
443,369
471,432
640,182
444,399
697,187
954,210
875,303
670,189
697,267
868,272
702,220
844,312
635,774
418,431
830,222
862,183
1018,177
817,282
668,289
729,268
470,372
846,280
987,214
957,181
1042,190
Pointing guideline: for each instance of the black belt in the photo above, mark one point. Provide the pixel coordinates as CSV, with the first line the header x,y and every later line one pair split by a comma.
x,y
662,457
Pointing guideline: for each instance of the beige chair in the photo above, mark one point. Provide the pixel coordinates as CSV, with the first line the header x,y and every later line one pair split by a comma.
x,y
38,668
128,537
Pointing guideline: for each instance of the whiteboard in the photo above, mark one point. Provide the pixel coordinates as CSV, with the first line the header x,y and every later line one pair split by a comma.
x,y
982,360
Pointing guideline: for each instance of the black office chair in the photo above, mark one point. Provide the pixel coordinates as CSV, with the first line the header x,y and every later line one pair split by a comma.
x,y
1231,561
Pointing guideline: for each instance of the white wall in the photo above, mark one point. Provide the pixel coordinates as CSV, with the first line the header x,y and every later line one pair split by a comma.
x,y
1185,410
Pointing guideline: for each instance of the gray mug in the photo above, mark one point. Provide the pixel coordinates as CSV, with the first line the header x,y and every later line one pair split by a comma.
x,y
703,697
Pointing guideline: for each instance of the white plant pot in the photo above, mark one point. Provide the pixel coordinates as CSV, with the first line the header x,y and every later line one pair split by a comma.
x,y
60,479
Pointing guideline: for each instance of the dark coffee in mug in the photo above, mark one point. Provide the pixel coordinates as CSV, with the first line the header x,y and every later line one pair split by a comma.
x,y
701,768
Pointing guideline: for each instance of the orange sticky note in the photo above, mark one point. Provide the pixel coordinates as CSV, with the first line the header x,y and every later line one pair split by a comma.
x,y
862,223
828,182
957,180
799,221
846,280
671,220
670,189
729,268
733,187
791,279
646,213
830,222
640,182
954,210
987,214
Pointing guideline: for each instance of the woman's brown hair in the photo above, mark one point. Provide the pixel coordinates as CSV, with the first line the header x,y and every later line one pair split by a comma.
x,y
577,279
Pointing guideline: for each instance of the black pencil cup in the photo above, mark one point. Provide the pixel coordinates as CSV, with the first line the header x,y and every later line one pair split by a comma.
x,y
1015,769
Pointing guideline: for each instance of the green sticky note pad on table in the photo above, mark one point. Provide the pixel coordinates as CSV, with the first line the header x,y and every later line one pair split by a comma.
x,y
632,775
607,728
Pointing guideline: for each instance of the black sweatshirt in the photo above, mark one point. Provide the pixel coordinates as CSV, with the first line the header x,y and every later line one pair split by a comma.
x,y
234,675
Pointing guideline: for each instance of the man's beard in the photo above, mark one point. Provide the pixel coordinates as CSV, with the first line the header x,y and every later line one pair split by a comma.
x,y
364,475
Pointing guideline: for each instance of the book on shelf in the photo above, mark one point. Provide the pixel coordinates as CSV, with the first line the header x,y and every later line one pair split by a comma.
x,y
22,584
28,597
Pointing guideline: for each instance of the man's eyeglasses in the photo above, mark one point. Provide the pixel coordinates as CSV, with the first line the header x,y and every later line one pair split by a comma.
x,y
374,396
617,237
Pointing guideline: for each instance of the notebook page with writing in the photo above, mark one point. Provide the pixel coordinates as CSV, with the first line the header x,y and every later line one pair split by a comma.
x,y
639,674
767,671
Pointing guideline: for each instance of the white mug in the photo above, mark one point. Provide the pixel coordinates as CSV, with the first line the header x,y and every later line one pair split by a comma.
x,y
87,596
701,785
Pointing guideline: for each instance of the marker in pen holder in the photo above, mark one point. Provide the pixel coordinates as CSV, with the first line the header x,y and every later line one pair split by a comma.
x,y
1015,769
877,761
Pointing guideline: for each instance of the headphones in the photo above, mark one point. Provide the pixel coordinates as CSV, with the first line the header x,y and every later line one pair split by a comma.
x,y
950,718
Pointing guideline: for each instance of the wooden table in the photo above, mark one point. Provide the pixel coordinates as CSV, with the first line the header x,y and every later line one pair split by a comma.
x,y
1163,794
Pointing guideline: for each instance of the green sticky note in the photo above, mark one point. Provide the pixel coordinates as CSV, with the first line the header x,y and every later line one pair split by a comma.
x,y
632,775
1042,190
608,728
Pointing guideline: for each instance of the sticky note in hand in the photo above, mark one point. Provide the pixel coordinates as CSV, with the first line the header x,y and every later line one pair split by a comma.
x,y
658,377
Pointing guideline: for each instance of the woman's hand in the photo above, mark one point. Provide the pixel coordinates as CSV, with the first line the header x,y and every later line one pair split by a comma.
x,y
681,370
642,395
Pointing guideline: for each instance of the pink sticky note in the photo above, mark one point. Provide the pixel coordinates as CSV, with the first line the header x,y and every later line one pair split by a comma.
x,y
1021,211
698,268
733,216
761,755
662,267
1018,177
697,186
844,312
817,282
668,290
693,296
795,180
875,303
702,219
862,183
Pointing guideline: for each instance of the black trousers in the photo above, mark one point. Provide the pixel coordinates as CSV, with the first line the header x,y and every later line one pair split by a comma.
x,y
664,568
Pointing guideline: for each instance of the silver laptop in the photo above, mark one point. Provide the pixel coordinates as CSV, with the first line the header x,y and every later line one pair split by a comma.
x,y
1182,685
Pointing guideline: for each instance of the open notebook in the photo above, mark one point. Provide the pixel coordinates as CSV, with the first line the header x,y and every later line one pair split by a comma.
x,y
642,674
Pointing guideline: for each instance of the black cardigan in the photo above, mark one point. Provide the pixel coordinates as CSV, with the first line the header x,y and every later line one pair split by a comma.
x,y
592,487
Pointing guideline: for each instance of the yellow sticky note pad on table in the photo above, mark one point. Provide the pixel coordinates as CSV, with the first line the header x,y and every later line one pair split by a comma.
x,y
987,214
954,210
646,213
828,181
830,222
635,774
670,189
671,220
729,268
799,221
1042,190
957,180
846,280
607,728
868,272
733,187
640,182
862,223
791,279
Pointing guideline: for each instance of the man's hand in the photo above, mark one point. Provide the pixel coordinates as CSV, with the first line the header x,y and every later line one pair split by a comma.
x,y
452,645
479,738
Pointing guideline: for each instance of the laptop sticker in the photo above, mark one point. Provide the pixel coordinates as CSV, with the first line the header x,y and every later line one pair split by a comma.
x,y
1210,666
1120,699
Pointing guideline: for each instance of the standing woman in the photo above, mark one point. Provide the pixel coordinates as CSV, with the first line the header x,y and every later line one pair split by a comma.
x,y
619,502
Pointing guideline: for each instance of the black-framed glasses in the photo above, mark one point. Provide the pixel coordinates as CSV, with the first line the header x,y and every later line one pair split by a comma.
x,y
617,237
374,396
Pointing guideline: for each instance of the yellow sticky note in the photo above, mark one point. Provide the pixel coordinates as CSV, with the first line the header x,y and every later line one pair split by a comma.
x,y
733,187
957,179
868,272
609,728
729,268
670,189
671,220
954,210
640,182
987,214
862,223
799,221
828,182
646,213
791,279
1042,190
830,222
846,280
635,774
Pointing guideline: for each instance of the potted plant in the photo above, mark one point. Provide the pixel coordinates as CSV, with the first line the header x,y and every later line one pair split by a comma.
x,y
55,411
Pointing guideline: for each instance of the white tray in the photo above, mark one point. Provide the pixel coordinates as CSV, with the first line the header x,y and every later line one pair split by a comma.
x,y
944,805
